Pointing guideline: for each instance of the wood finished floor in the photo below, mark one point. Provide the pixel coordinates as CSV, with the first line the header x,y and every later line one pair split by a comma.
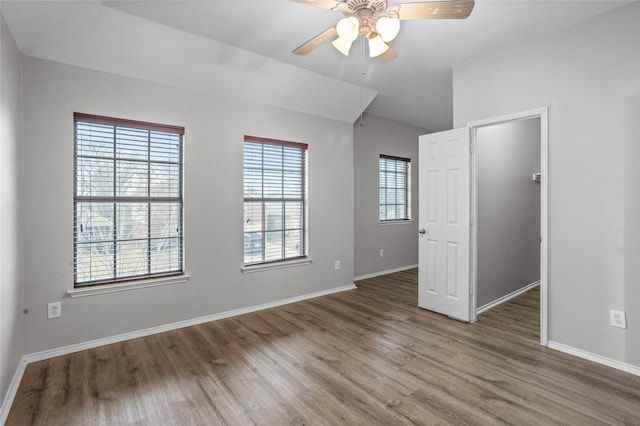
x,y
367,356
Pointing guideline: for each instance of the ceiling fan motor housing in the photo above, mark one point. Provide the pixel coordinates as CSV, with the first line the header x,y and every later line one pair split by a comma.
x,y
367,13
376,7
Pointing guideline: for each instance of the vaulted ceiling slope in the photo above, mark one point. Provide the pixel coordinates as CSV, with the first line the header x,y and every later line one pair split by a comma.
x,y
243,49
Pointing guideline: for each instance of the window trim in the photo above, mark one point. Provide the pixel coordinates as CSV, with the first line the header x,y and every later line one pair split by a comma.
x,y
287,261
277,142
137,281
123,122
92,290
278,264
407,204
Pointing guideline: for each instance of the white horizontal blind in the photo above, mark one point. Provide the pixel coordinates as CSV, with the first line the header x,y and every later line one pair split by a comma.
x,y
127,200
274,200
395,194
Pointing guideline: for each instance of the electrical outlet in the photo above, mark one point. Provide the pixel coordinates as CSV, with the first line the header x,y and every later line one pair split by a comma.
x,y
337,265
381,252
54,310
618,319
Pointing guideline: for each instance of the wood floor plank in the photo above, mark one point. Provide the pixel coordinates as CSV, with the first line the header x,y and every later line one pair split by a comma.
x,y
367,356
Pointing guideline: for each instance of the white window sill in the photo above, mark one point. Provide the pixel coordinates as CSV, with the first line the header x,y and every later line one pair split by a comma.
x,y
113,288
396,222
275,265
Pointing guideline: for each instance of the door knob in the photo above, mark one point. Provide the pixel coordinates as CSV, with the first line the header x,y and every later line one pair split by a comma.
x,y
422,231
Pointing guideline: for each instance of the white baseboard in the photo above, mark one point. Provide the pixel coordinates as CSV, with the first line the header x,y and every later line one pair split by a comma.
x,y
51,353
12,390
388,271
609,362
509,296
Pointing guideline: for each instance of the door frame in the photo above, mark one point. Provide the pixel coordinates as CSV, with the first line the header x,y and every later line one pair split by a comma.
x,y
543,114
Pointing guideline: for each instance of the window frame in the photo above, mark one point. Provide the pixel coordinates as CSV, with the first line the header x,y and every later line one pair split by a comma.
x,y
406,189
149,199
304,256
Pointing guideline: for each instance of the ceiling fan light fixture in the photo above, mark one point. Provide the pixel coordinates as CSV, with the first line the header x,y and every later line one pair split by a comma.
x,y
348,28
388,28
377,46
342,45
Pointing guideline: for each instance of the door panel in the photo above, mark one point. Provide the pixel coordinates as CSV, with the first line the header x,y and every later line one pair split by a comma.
x,y
431,264
444,209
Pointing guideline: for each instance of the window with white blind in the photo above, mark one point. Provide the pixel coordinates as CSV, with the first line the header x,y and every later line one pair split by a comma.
x,y
395,188
127,200
274,200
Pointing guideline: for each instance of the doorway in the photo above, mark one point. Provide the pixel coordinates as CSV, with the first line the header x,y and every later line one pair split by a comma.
x,y
506,161
525,257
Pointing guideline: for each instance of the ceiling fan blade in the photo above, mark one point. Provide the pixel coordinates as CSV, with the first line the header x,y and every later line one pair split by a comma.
x,y
325,36
325,4
389,54
457,9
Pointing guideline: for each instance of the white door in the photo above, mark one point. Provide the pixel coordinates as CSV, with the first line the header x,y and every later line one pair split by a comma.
x,y
444,222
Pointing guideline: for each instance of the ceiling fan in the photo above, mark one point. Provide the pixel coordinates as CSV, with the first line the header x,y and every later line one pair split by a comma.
x,y
378,22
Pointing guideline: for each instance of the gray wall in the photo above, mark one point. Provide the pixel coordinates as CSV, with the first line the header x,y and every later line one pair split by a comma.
x,y
11,282
508,216
589,76
398,240
215,127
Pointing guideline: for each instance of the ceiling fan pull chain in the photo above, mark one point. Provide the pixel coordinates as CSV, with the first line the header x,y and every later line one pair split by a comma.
x,y
363,71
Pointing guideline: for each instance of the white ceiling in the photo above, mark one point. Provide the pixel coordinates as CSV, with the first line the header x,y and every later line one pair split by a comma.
x,y
242,48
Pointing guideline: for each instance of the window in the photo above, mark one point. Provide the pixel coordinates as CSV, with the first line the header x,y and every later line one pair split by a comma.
x,y
127,200
274,200
395,188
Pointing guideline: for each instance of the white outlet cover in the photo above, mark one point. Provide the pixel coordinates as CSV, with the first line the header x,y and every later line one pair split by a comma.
x,y
618,319
54,310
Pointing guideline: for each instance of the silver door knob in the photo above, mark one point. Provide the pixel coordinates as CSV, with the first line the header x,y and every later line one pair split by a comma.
x,y
422,231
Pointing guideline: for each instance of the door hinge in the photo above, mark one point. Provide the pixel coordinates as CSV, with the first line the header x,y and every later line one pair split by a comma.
x,y
471,147
471,220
